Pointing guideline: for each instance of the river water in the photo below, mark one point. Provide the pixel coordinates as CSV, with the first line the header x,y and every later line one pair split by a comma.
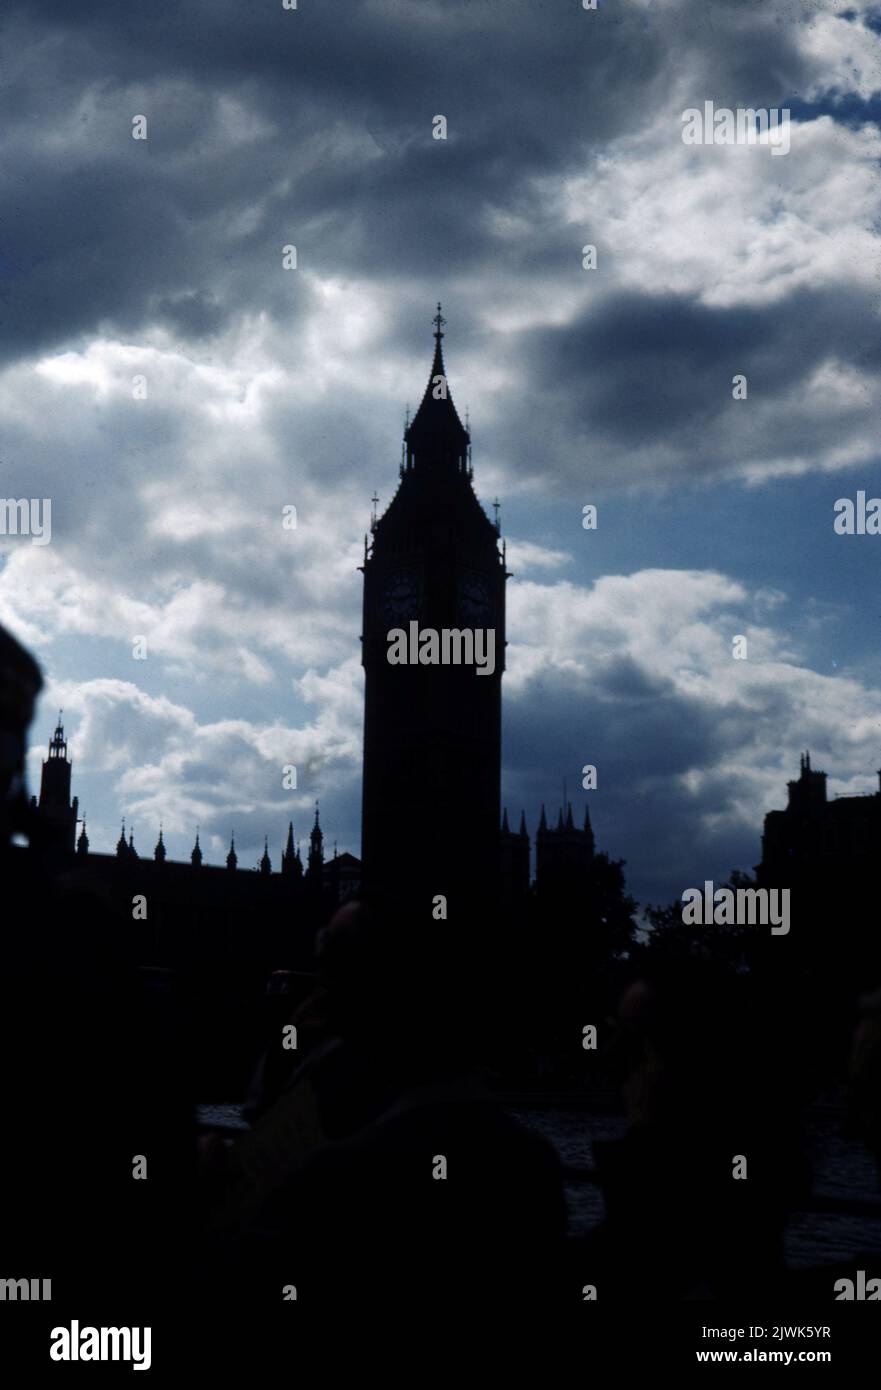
x,y
841,1168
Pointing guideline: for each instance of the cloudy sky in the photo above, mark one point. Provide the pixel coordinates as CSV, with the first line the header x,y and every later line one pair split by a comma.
x,y
162,259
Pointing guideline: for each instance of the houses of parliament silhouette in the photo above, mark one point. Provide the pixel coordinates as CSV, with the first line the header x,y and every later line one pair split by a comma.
x,y
432,821
431,814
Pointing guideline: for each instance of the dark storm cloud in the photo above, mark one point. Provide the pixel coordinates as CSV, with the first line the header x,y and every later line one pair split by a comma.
x,y
645,737
637,369
334,150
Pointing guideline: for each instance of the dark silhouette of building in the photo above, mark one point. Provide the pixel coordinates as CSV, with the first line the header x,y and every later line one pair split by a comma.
x,y
58,812
826,853
343,875
563,856
815,836
514,860
432,733
194,911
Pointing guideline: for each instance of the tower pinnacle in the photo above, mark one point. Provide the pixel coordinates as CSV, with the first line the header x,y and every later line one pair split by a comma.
x,y
436,435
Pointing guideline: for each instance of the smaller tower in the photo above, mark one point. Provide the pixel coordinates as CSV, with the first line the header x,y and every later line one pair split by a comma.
x,y
57,812
82,844
563,855
590,843
159,851
196,856
232,859
121,846
808,795
316,850
290,864
266,862
132,852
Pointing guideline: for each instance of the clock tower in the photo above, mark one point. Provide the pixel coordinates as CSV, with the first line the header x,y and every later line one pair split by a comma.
x,y
432,723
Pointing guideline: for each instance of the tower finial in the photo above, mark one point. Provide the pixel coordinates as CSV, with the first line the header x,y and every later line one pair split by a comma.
x,y
438,322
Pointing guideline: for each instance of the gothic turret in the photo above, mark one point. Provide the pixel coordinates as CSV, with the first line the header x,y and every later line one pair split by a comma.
x,y
232,859
58,813
266,862
316,849
121,846
82,844
159,851
808,794
290,863
588,832
196,856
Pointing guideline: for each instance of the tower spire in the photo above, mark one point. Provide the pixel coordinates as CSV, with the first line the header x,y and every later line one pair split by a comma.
x,y
316,849
436,436
588,832
289,854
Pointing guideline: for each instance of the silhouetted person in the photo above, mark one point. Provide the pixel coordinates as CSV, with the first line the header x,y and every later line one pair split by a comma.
x,y
437,1199
86,1087
696,1191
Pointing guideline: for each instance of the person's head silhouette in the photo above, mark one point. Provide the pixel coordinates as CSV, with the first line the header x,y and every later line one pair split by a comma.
x,y
20,683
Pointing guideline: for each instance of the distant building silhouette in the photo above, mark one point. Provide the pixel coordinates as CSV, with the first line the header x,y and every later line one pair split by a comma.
x,y
195,910
563,854
58,812
815,836
826,853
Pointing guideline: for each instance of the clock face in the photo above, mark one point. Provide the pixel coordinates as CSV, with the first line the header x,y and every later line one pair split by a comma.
x,y
401,596
475,600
